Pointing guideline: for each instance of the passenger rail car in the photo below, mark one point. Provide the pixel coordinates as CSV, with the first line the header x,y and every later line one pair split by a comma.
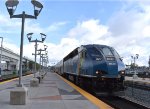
x,y
96,66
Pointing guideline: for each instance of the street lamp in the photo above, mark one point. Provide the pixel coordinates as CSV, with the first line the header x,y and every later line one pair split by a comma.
x,y
11,7
134,60
1,56
46,63
29,36
149,62
37,7
40,51
43,56
46,59
149,66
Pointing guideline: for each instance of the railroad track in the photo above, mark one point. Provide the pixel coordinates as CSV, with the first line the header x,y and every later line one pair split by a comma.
x,y
120,103
115,101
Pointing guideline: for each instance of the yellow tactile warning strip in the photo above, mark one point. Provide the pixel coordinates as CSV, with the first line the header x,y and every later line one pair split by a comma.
x,y
8,81
90,97
11,80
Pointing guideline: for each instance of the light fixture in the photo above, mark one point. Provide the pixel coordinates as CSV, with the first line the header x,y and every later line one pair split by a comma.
x,y
46,52
137,55
43,36
29,36
11,6
37,7
45,47
39,53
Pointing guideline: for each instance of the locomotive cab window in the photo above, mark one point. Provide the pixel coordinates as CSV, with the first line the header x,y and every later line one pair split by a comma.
x,y
108,54
107,51
115,53
95,54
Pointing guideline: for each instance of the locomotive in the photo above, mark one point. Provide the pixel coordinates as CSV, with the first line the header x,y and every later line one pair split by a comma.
x,y
98,67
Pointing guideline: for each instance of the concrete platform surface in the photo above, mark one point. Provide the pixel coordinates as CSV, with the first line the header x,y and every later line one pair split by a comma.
x,y
142,80
52,93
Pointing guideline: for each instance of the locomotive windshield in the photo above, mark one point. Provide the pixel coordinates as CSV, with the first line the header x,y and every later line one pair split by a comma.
x,y
94,53
107,51
115,53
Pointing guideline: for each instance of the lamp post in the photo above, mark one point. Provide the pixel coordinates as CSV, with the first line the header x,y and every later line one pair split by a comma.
x,y
42,56
149,62
11,7
29,36
46,60
1,56
134,60
40,52
47,63
149,66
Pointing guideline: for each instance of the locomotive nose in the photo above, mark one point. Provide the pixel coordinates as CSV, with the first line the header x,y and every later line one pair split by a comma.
x,y
109,68
114,67
106,68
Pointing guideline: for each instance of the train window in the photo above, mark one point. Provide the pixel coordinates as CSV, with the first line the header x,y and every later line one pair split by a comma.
x,y
107,51
115,53
94,53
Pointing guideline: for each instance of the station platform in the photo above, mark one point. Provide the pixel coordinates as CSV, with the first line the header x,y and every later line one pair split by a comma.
x,y
53,92
139,80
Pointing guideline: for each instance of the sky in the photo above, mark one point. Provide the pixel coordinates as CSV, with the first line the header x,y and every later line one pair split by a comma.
x,y
122,24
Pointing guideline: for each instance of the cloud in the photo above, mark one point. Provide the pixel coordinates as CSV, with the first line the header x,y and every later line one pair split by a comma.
x,y
10,46
127,31
90,31
14,26
85,32
58,51
6,23
55,26
36,27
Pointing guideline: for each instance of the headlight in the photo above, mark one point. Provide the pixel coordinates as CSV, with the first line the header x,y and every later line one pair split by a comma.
x,y
122,72
97,72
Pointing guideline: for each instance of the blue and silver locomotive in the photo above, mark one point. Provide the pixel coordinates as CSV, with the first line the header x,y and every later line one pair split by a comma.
x,y
96,66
